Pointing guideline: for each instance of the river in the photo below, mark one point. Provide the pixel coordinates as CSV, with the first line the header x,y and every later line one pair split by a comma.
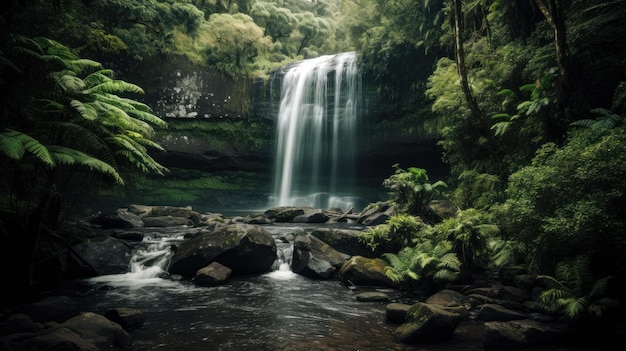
x,y
279,310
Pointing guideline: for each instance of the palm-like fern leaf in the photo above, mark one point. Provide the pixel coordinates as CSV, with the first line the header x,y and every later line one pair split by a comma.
x,y
15,144
114,86
66,156
86,111
68,82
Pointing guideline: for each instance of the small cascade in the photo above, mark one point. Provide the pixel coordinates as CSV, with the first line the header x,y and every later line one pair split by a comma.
x,y
148,264
281,269
316,132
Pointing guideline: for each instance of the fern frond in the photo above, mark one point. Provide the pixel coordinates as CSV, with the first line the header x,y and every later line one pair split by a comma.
x,y
70,157
114,86
450,262
87,111
68,82
98,77
574,307
445,275
551,282
15,144
391,258
501,128
600,287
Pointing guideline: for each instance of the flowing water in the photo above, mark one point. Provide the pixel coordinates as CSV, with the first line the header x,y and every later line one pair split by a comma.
x,y
279,310
316,133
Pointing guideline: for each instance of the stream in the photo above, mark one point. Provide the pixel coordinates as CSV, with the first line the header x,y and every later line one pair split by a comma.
x,y
279,310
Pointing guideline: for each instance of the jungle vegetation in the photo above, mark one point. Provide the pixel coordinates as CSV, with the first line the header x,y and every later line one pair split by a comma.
x,y
526,98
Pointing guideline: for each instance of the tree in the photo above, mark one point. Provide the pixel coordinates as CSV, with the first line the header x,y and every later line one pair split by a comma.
x,y
459,55
554,12
237,40
278,22
63,123
310,28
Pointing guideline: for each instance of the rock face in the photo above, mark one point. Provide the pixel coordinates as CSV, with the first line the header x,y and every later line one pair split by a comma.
x,y
246,249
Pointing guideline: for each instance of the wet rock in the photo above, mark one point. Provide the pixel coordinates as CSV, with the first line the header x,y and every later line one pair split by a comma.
x,y
363,271
313,257
372,296
427,323
212,275
246,249
128,318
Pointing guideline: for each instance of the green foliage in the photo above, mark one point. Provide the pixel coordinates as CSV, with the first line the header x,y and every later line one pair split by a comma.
x,y
74,117
237,41
607,119
424,262
570,201
411,189
574,291
398,231
506,252
479,190
470,232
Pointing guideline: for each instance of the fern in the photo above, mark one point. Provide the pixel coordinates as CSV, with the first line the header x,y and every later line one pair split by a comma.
x,y
424,261
66,156
574,292
15,144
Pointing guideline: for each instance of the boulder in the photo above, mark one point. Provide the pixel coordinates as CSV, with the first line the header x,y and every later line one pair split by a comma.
x,y
311,216
446,297
121,218
363,271
525,334
53,308
85,332
314,258
344,240
427,323
246,249
212,275
396,312
285,213
128,318
107,255
372,296
167,221
493,312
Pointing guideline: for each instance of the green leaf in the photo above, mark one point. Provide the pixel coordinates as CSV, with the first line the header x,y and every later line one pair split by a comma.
x,y
15,144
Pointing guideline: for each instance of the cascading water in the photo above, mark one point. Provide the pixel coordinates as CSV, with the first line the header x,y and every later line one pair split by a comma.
x,y
316,133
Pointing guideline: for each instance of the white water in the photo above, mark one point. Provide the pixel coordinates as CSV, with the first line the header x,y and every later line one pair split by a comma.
x,y
316,132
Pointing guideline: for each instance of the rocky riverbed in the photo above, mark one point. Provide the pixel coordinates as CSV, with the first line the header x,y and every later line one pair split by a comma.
x,y
495,310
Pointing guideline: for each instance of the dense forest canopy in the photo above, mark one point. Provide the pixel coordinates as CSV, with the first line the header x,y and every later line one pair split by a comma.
x,y
526,98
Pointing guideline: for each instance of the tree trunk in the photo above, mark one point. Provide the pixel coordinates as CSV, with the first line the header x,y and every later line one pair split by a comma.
x,y
553,11
460,59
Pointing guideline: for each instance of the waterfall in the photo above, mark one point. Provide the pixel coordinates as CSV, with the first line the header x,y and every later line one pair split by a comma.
x,y
316,132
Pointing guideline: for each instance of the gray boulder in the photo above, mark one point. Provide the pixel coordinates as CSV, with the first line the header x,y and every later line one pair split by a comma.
x,y
107,255
313,257
246,249
344,240
212,275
